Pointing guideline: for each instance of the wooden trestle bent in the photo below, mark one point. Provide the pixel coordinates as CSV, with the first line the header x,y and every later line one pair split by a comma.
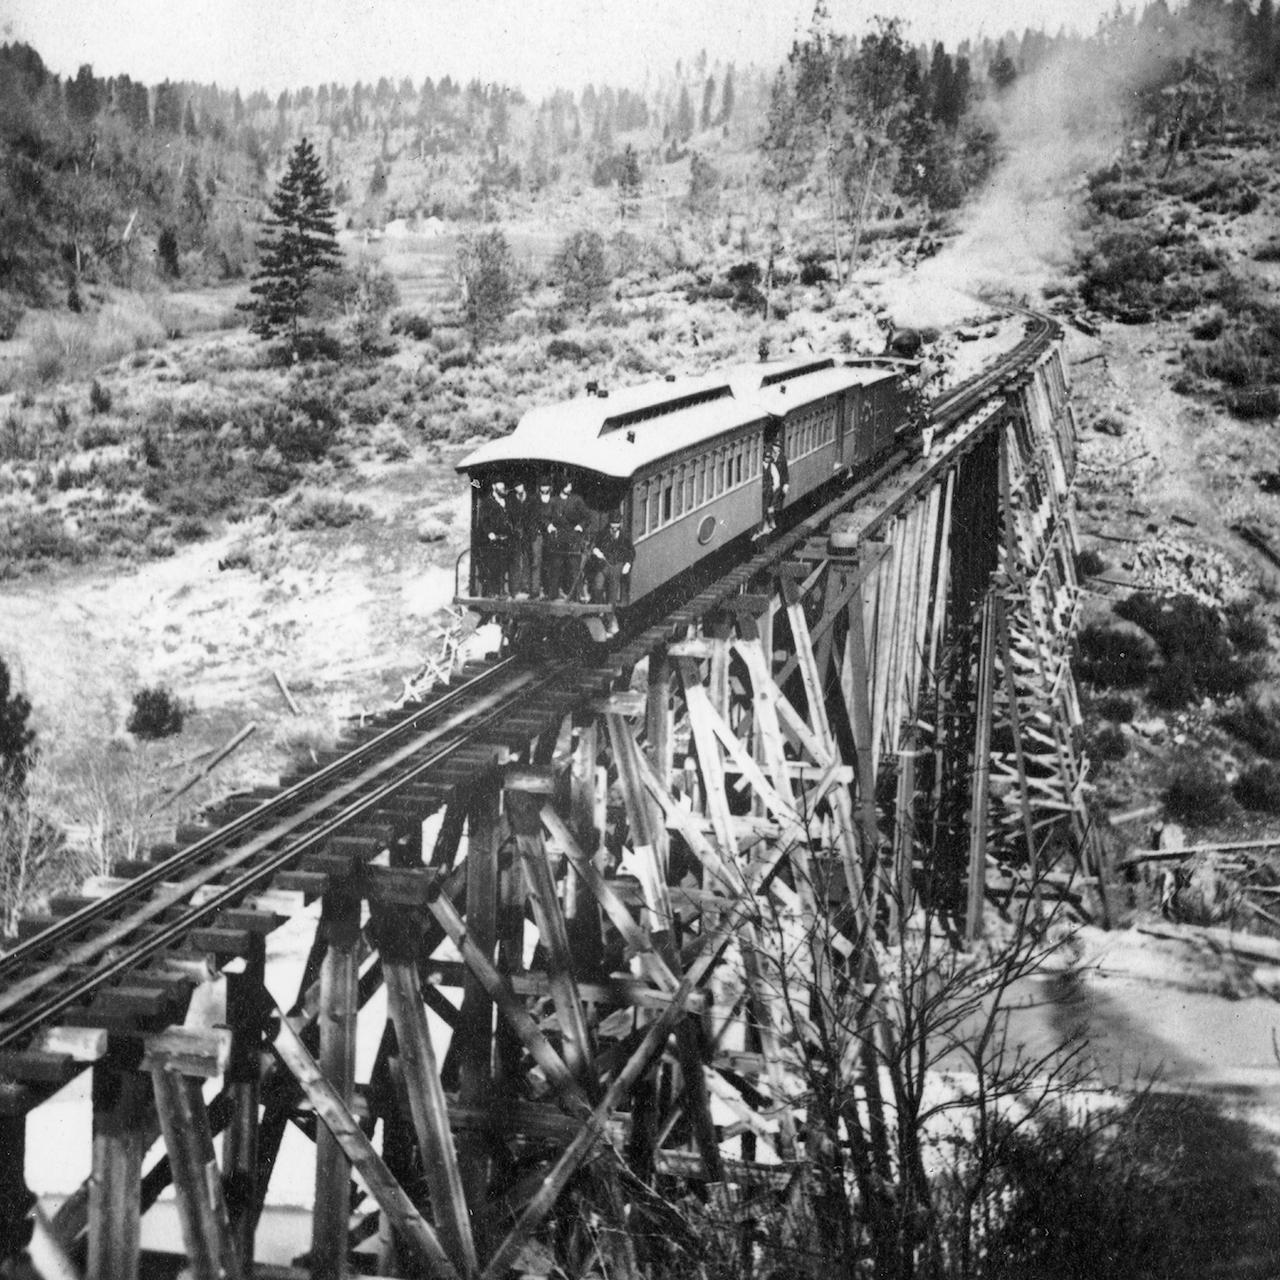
x,y
589,983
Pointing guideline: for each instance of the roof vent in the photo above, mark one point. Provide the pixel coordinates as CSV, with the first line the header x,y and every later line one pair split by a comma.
x,y
602,393
671,377
592,388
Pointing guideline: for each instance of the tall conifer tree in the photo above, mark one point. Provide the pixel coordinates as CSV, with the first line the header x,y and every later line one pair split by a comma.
x,y
300,243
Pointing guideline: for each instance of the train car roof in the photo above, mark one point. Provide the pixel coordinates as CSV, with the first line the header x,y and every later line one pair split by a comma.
x,y
633,427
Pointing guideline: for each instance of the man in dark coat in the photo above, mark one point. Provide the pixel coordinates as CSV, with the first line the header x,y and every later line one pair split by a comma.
x,y
539,519
519,508
494,536
566,542
775,481
610,563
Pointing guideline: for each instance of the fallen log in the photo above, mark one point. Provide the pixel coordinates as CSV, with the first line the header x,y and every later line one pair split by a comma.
x,y
1247,945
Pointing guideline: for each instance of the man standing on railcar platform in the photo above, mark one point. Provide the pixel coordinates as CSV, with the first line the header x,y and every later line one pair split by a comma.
x,y
775,481
566,539
494,536
520,507
540,519
610,563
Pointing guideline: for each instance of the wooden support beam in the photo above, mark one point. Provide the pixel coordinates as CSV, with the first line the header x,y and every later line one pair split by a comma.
x,y
472,1046
247,1009
338,1120
206,1226
577,1044
484,973
16,1200
633,934
427,1103
121,1110
981,772
595,1125
339,1007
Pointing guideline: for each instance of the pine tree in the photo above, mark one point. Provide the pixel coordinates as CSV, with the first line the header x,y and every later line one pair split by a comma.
x,y
628,174
581,270
684,121
726,96
17,741
489,285
301,243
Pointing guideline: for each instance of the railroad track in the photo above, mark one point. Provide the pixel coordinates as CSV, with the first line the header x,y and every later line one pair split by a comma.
x,y
101,960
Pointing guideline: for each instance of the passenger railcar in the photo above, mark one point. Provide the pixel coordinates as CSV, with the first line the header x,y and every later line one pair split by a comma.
x,y
683,461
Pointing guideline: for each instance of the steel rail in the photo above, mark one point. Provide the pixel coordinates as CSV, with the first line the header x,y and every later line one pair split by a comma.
x,y
164,870
134,954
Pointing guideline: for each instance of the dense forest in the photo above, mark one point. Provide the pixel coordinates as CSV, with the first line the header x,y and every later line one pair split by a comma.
x,y
107,180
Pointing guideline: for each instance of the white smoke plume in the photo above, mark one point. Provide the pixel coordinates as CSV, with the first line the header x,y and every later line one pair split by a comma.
x,y
1055,126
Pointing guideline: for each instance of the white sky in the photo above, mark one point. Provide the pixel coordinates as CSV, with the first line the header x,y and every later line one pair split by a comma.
x,y
533,44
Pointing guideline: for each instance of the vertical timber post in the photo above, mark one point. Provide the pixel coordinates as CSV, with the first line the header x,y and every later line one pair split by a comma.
x,y
121,1102
339,1004
981,773
474,1036
245,1008
188,1138
16,1200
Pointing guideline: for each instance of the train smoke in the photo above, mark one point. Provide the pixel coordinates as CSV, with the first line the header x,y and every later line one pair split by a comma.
x,y
1055,126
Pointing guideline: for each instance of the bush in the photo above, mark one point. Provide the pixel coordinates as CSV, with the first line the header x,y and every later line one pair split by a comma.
x,y
813,269
1178,624
17,740
1198,651
321,511
1258,788
307,430
1122,272
1254,402
1109,743
11,313
312,344
156,714
1198,793
1245,630
1114,707
1256,724
99,398
410,324
1149,1189
1112,656
1089,563
459,359
1174,686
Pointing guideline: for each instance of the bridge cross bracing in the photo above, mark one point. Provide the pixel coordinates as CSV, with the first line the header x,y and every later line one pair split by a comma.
x,y
580,953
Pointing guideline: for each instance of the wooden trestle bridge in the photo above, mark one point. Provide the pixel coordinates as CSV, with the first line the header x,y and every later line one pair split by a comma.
x,y
546,897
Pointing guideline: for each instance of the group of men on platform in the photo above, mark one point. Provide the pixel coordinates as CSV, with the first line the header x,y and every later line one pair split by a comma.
x,y
549,545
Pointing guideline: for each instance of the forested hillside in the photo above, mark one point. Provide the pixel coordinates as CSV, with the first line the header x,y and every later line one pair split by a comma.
x,y
106,180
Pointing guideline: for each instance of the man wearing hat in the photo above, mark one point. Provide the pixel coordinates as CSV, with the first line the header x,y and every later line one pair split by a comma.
x,y
493,540
610,563
519,509
539,518
566,538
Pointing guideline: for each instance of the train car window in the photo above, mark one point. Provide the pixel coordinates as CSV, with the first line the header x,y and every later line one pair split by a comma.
x,y
737,463
655,503
689,470
640,504
677,491
700,481
667,496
